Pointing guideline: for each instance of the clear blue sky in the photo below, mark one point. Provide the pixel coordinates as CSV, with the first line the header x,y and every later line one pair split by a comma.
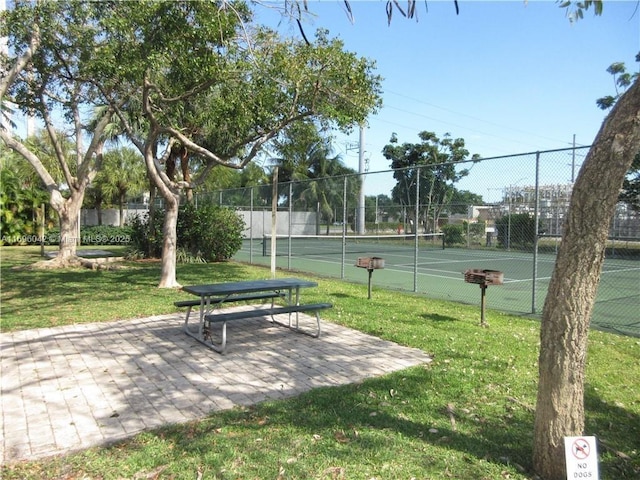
x,y
506,76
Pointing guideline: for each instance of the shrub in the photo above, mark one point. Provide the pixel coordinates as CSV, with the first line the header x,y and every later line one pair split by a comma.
x,y
517,230
210,232
146,239
453,234
207,233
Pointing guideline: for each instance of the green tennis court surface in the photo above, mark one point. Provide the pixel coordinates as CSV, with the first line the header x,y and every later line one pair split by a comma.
x,y
428,269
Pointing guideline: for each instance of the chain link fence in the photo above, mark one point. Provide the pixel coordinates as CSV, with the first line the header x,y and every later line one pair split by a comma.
x,y
430,224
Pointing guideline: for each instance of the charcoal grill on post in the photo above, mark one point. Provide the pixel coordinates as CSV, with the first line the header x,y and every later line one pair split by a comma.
x,y
371,264
484,278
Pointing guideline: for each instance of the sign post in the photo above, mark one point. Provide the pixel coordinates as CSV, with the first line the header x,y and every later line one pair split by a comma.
x,y
581,457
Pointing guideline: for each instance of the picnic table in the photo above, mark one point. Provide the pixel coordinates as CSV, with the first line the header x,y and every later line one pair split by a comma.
x,y
212,296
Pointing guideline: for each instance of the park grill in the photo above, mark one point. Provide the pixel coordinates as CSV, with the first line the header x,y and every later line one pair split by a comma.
x,y
484,278
371,264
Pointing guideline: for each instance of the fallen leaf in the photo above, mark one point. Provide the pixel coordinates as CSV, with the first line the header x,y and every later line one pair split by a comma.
x,y
335,472
341,437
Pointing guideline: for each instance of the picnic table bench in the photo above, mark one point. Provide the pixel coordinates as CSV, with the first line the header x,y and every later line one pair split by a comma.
x,y
212,296
238,298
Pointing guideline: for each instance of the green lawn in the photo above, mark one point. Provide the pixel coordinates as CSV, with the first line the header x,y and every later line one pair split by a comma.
x,y
467,415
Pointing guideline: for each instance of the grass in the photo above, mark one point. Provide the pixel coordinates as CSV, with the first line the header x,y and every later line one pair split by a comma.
x,y
398,426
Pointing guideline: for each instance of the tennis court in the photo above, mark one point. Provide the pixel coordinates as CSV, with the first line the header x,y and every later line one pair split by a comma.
x,y
424,266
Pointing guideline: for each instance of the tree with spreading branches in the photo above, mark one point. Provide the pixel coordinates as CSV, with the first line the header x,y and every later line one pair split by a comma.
x,y
186,80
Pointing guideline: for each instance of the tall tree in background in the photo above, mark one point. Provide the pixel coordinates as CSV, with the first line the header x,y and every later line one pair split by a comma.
x,y
426,172
306,158
122,174
327,190
21,198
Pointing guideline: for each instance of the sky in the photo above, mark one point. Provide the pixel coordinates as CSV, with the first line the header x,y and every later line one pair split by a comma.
x,y
508,77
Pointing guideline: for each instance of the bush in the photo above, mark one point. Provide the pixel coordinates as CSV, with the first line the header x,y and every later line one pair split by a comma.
x,y
453,234
146,238
517,230
208,233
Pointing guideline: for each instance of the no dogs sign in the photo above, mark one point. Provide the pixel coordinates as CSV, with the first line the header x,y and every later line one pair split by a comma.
x,y
581,457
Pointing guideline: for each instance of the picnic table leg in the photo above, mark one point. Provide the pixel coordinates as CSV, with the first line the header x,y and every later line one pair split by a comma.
x,y
297,303
203,302
186,319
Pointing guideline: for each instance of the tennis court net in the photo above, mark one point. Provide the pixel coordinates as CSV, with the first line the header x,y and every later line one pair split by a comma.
x,y
303,245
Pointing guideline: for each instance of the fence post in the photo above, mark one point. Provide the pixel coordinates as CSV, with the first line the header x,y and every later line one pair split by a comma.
x,y
289,253
415,233
251,225
344,226
274,212
535,234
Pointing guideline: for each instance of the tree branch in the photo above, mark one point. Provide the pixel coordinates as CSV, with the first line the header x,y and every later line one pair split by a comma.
x,y
21,62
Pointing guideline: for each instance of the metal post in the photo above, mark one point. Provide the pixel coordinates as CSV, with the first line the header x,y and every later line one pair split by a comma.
x,y
344,226
509,222
415,234
361,170
535,235
483,295
290,252
251,227
274,211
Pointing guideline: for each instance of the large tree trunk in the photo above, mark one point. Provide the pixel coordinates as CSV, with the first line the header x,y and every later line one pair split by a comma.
x,y
169,244
68,210
572,289
68,232
171,204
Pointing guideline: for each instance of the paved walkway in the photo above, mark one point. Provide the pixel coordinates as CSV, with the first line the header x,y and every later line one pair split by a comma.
x,y
77,386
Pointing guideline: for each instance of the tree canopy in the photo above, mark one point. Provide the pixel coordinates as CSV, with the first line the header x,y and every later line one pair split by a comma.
x,y
187,81
426,173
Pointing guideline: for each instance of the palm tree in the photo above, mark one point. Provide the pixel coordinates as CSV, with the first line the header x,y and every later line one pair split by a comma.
x,y
326,190
122,174
305,158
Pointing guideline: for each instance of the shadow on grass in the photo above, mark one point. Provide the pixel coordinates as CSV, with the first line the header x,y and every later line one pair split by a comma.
x,y
132,290
439,318
341,295
618,434
329,413
345,409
